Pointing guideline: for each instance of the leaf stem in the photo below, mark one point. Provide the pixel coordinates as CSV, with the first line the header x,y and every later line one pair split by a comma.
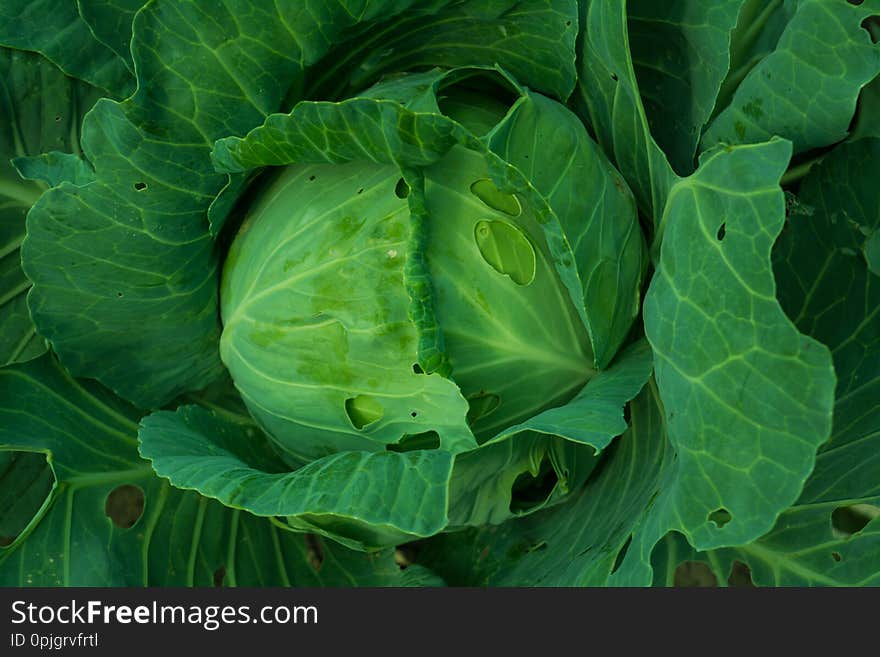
x,y
799,171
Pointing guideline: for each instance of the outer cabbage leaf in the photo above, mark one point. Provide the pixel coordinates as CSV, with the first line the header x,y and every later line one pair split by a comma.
x,y
802,550
872,253
681,55
866,123
364,500
109,521
54,168
533,39
110,21
593,417
747,399
26,482
806,89
825,287
43,109
757,32
608,99
64,37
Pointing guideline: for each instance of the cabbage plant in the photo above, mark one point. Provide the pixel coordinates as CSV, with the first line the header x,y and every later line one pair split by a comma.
x,y
425,292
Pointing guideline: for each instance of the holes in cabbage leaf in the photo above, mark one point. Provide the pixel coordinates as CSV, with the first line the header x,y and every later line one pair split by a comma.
x,y
314,551
140,186
410,442
621,554
124,505
492,197
481,405
722,231
405,555
530,491
26,482
871,25
363,410
836,556
694,574
401,189
417,369
720,517
506,249
740,575
849,520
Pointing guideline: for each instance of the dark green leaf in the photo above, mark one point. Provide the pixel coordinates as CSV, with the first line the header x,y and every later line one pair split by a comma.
x,y
806,89
58,31
42,110
54,168
747,398
26,481
680,57
826,288
533,39
142,313
831,536
608,98
112,522
760,24
110,22
364,499
867,121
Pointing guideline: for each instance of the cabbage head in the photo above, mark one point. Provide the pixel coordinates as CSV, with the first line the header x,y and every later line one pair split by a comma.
x,y
437,285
